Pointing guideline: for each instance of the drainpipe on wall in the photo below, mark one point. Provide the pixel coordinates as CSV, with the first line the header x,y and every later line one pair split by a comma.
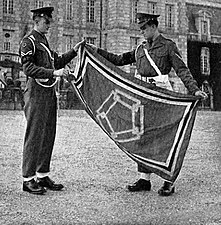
x,y
101,18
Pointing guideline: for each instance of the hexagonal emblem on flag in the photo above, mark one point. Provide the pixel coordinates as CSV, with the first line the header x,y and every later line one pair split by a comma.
x,y
122,116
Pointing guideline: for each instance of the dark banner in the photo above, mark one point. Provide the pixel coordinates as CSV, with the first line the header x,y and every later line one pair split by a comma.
x,y
150,124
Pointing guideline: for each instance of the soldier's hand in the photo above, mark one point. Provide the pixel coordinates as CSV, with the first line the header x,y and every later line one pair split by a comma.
x,y
77,46
61,72
201,94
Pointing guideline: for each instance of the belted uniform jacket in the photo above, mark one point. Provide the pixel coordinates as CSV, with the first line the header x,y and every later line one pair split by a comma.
x,y
164,53
38,60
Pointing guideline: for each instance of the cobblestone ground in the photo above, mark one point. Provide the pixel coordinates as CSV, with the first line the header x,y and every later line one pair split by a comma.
x,y
95,173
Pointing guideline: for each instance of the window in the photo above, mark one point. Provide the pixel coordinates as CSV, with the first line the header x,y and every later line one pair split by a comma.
x,y
90,11
134,11
7,41
7,46
90,40
8,7
39,4
152,7
69,9
169,16
69,43
204,27
203,24
5,6
204,62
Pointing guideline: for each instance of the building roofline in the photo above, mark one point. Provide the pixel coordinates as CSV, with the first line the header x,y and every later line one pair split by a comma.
x,y
199,2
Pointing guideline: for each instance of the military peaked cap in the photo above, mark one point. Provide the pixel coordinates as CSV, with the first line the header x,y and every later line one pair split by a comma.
x,y
45,12
145,18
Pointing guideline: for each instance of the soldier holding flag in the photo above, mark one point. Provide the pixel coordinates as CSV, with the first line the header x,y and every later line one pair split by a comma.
x,y
154,60
42,66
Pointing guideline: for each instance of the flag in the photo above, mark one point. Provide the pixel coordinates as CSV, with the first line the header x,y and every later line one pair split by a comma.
x,y
150,124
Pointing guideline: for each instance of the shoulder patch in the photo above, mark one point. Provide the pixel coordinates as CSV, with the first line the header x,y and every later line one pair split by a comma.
x,y
27,47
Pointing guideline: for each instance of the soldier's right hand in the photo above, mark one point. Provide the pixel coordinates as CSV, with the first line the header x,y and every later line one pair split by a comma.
x,y
61,72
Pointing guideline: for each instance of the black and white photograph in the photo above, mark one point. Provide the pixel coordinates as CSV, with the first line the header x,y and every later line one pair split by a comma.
x,y
110,112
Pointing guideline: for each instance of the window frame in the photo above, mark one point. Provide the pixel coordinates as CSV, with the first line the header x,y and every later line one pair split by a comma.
x,y
134,10
8,7
205,61
152,7
39,3
91,40
169,16
203,17
90,11
69,10
7,41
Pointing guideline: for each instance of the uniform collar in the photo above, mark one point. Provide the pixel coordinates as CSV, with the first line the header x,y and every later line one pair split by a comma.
x,y
158,41
40,37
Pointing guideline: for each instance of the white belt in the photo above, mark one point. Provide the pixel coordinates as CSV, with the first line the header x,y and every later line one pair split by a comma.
x,y
160,81
163,78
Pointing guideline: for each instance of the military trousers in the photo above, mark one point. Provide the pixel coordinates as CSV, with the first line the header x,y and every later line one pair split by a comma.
x,y
41,114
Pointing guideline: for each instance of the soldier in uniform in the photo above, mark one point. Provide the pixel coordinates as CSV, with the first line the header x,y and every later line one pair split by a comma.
x,y
43,67
154,59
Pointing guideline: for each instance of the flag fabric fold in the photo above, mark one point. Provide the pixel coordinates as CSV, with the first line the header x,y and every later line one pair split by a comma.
x,y
151,125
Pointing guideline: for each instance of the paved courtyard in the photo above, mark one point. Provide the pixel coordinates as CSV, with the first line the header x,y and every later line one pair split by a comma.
x,y
95,173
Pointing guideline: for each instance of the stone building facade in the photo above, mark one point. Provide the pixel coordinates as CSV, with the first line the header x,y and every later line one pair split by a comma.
x,y
109,24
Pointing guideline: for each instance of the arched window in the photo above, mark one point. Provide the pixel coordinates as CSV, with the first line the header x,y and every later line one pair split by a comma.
x,y
203,24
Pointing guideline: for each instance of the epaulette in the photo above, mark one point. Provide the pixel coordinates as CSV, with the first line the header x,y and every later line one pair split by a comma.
x,y
168,39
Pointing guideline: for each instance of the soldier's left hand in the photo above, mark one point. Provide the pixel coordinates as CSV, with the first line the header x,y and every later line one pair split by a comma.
x,y
201,94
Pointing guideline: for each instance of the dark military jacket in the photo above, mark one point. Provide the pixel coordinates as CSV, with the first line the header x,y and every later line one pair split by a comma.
x,y
38,60
164,53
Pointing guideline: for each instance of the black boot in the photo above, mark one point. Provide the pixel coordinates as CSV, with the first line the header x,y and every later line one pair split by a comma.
x,y
140,185
33,187
49,184
167,189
